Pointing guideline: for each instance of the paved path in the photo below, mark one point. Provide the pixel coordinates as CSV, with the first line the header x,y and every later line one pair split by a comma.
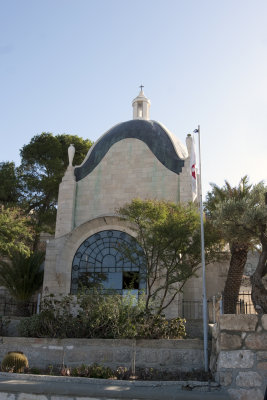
x,y
95,389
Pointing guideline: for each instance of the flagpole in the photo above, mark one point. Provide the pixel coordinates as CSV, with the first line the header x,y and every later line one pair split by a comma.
x,y
204,294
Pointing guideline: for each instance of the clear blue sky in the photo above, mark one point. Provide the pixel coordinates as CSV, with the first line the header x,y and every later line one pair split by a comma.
x,y
74,66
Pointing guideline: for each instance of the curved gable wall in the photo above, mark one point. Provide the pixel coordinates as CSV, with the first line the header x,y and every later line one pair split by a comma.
x,y
150,132
128,170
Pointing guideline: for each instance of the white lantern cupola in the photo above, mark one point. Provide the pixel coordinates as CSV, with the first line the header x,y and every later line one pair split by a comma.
x,y
141,106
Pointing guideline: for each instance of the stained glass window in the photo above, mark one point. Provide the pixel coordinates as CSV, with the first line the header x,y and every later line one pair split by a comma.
x,y
110,260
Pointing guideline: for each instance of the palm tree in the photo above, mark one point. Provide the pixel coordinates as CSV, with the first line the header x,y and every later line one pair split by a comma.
x,y
259,291
22,278
257,219
227,208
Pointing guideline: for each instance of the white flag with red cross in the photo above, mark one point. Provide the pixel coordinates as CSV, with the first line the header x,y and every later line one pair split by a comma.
x,y
193,170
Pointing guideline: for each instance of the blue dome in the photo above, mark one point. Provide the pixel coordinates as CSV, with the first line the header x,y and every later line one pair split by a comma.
x,y
153,134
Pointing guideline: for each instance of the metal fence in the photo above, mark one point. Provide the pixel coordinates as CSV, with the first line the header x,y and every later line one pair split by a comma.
x,y
193,309
189,309
244,304
11,308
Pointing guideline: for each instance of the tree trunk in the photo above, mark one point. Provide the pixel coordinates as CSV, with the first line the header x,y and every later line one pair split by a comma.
x,y
36,240
259,292
239,252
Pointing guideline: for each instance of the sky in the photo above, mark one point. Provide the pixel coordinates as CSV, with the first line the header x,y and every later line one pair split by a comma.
x,y
74,67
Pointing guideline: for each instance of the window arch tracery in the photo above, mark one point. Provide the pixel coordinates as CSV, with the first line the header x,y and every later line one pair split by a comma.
x,y
101,262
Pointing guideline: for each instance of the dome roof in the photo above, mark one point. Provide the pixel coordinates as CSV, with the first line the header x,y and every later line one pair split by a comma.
x,y
163,144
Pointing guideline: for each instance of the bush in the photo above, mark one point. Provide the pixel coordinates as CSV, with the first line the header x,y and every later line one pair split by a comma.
x,y
93,371
98,315
34,371
145,374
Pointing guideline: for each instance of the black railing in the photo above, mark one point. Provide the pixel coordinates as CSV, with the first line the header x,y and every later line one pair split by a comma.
x,y
189,309
11,308
244,305
193,309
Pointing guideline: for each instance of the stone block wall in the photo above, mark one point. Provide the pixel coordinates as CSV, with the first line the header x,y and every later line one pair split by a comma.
x,y
166,354
239,355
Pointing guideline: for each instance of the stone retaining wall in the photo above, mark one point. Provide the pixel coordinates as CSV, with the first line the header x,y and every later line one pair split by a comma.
x,y
239,355
174,355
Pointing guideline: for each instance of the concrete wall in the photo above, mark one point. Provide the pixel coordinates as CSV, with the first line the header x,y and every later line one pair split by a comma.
x,y
173,355
239,355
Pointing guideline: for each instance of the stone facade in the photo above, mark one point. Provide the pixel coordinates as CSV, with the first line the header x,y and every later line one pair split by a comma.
x,y
239,355
216,274
135,159
129,170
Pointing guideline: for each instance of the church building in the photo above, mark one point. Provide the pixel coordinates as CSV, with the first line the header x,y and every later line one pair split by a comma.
x,y
139,158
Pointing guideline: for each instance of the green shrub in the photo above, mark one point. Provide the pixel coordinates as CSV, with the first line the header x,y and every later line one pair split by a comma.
x,y
101,372
34,371
14,361
93,371
98,315
123,373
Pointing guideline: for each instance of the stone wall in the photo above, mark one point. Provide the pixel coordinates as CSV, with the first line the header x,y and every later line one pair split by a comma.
x,y
239,355
174,355
129,170
216,274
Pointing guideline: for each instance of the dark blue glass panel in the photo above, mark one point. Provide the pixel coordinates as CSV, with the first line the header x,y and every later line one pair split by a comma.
x,y
101,253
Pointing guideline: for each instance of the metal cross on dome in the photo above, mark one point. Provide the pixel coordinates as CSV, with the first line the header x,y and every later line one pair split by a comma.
x,y
141,86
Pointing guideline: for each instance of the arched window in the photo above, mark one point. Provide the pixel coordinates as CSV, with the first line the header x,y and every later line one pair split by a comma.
x,y
102,262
